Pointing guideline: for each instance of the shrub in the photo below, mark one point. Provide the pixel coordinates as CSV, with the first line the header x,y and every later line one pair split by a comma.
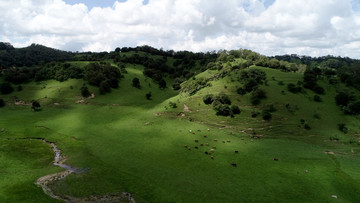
x,y
270,108
2,103
281,83
6,88
266,115
317,98
35,106
254,114
318,90
208,99
342,127
148,95
222,109
257,95
241,91
235,109
172,105
104,87
307,126
294,88
85,91
223,98
136,82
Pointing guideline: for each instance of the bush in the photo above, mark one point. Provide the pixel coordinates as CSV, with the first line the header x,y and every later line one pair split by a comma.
x,y
254,114
35,106
136,82
294,88
222,109
241,91
85,91
344,97
235,109
266,115
342,127
2,103
6,88
257,95
317,98
172,105
319,90
208,99
148,95
223,98
307,126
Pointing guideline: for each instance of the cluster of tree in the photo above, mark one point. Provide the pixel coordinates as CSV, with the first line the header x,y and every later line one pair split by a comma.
x,y
348,102
33,55
311,76
102,75
251,80
221,104
193,85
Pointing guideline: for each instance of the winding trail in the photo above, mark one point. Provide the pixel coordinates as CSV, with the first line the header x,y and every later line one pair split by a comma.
x,y
59,160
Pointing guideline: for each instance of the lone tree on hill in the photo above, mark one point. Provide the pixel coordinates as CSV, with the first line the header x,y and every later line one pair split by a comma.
x,y
136,83
35,106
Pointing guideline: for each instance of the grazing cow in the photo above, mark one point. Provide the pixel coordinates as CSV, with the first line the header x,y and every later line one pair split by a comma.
x,y
211,150
214,147
201,144
199,130
196,140
234,165
190,131
189,148
196,147
228,141
186,146
206,152
207,144
212,157
236,152
205,136
276,159
215,140
223,141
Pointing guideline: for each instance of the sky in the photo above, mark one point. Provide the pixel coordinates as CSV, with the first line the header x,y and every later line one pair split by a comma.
x,y
269,27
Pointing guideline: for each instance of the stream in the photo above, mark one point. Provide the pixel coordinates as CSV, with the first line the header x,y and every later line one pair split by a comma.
x,y
59,160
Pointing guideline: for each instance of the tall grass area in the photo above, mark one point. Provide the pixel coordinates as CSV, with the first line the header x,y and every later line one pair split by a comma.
x,y
141,146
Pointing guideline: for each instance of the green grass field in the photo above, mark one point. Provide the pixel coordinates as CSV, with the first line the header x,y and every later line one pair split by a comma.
x,y
136,145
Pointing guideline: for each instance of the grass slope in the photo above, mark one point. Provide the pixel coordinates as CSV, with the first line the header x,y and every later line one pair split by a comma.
x,y
136,145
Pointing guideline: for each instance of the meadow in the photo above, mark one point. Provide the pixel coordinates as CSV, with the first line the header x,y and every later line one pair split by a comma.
x,y
143,147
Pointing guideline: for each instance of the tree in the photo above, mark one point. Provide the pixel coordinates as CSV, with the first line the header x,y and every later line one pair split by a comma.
x,y
6,88
257,95
136,82
235,109
208,99
148,95
162,84
343,97
2,103
85,91
35,106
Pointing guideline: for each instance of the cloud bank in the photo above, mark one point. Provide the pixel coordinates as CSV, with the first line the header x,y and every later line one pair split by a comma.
x,y
306,27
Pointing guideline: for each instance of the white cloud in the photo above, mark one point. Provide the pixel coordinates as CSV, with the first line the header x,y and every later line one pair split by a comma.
x,y
309,27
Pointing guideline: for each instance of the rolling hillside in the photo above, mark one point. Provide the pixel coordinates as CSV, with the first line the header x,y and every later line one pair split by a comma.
x,y
283,145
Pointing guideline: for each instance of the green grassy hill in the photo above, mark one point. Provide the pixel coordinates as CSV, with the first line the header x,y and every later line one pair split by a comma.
x,y
156,152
